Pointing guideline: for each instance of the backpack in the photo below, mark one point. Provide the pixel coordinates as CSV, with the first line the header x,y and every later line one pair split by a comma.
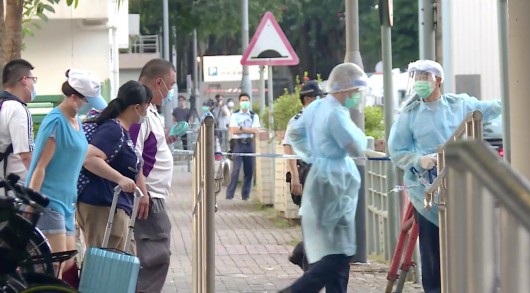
x,y
9,150
90,128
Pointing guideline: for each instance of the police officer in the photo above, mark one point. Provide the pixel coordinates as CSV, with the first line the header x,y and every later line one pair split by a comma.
x,y
243,125
298,169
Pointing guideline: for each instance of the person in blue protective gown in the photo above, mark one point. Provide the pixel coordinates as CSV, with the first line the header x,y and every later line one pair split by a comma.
x,y
326,137
424,124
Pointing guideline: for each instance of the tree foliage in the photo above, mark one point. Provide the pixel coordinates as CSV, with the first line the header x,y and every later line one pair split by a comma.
x,y
315,29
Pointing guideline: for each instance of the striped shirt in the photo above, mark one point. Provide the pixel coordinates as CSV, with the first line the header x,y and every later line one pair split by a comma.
x,y
150,140
16,127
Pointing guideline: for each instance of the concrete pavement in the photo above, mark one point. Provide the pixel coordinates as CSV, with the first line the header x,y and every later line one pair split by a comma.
x,y
252,246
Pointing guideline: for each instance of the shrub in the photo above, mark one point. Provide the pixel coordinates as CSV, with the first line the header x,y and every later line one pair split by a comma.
x,y
373,122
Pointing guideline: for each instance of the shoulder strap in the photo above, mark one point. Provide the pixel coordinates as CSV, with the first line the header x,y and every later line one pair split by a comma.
x,y
5,98
4,155
9,149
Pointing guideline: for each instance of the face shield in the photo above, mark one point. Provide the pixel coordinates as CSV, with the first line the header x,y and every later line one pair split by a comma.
x,y
348,79
420,85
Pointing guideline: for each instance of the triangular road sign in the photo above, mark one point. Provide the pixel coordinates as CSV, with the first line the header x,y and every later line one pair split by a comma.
x,y
269,46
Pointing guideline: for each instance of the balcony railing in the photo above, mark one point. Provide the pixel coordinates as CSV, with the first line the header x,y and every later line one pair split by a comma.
x,y
144,44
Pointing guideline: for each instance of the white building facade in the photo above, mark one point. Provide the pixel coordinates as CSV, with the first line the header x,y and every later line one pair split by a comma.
x,y
88,36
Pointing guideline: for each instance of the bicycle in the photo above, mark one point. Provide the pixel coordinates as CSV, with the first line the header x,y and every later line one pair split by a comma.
x,y
410,229
27,261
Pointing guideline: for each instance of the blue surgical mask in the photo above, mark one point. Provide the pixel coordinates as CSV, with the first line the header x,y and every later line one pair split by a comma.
x,y
245,105
142,118
170,94
423,88
33,92
353,101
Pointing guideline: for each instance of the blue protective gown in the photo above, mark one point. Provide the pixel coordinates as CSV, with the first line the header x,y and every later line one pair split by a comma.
x,y
423,126
329,199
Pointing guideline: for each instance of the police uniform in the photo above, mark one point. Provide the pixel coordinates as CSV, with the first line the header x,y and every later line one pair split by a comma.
x,y
242,143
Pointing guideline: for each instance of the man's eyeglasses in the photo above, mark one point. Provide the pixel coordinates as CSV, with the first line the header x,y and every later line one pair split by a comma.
x,y
34,78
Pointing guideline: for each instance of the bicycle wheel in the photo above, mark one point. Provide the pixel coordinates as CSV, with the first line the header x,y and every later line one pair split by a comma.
x,y
10,284
48,289
37,246
45,283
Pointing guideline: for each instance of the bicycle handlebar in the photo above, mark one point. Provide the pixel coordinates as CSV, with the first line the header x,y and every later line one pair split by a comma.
x,y
27,195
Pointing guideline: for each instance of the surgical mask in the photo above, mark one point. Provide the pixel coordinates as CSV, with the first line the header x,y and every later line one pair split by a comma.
x,y
82,106
33,92
353,101
230,105
205,108
245,105
170,94
142,118
423,88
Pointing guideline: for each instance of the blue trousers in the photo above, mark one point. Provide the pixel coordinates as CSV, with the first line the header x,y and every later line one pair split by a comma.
x,y
248,169
331,272
430,254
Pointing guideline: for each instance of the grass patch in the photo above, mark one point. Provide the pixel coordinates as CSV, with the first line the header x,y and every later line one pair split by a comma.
x,y
378,258
294,242
275,216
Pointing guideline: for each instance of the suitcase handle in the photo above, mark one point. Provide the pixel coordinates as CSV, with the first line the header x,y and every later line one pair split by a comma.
x,y
137,195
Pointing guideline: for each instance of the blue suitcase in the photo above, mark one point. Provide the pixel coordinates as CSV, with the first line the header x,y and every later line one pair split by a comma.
x,y
111,271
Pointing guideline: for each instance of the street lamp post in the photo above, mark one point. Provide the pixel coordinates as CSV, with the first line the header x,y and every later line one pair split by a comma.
x,y
353,55
246,85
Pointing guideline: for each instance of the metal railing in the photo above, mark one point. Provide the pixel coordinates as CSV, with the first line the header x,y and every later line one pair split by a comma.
x,y
144,44
487,226
383,207
471,128
203,191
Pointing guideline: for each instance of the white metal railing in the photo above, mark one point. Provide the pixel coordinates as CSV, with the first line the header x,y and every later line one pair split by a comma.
x,y
487,207
144,44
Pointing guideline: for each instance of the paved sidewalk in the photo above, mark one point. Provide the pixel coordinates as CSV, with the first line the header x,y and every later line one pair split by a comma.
x,y
251,248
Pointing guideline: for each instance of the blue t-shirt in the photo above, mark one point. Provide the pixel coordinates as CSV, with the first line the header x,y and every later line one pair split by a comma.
x,y
111,139
60,180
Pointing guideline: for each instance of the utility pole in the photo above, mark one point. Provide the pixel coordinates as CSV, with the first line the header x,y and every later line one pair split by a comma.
x,y
166,109
386,14
426,29
246,85
353,55
195,65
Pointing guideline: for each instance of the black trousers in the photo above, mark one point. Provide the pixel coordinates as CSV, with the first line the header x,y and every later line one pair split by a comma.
x,y
430,254
331,272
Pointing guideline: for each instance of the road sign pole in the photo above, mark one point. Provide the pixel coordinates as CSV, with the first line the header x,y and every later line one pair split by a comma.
x,y
262,90
271,124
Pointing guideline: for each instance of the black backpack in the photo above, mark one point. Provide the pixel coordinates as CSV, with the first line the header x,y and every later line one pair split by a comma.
x,y
9,150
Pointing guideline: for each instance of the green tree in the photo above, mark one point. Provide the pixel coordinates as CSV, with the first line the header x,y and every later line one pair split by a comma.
x,y
218,25
315,29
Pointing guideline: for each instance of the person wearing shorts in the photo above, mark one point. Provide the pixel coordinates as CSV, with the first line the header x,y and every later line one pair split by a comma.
x,y
57,159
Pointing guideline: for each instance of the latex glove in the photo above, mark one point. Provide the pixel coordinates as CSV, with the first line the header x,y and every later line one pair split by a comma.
x,y
427,162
